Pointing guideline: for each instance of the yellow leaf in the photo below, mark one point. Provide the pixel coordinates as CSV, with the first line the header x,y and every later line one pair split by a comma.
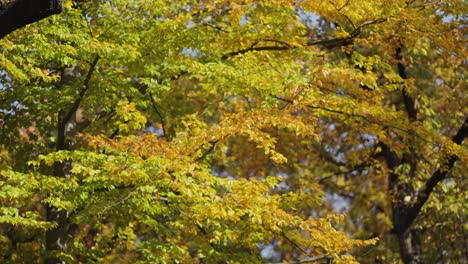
x,y
68,4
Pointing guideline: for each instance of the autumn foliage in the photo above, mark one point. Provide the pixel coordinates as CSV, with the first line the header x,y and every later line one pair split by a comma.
x,y
235,132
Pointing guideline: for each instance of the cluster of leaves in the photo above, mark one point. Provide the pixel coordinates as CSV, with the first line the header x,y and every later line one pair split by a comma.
x,y
208,131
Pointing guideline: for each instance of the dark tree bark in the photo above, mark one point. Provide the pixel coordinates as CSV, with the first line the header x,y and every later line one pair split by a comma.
x,y
15,14
405,214
58,238
407,203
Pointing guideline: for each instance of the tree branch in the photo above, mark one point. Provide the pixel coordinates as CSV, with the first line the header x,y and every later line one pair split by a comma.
x,y
77,102
161,118
63,120
338,9
81,126
215,27
363,117
18,13
438,175
327,43
293,243
334,43
408,101
307,260
243,51
207,152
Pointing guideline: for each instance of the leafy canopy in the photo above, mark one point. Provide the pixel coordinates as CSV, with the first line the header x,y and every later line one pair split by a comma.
x,y
210,131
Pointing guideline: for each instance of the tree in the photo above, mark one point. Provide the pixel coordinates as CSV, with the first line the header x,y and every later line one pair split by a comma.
x,y
235,131
15,14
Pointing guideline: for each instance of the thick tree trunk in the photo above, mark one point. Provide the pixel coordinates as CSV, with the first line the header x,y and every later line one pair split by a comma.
x,y
15,14
57,238
410,247
403,212
403,216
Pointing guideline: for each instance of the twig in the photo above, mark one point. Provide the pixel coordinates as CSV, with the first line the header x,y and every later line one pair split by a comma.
x,y
212,147
279,41
106,208
338,9
294,243
215,27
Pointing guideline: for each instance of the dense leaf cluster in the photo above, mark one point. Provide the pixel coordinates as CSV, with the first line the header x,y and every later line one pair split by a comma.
x,y
235,132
